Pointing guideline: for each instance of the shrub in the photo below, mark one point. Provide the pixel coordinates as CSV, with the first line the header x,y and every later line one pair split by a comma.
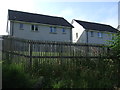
x,y
115,53
15,77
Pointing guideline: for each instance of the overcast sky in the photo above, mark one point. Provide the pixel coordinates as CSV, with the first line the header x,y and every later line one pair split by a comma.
x,y
105,12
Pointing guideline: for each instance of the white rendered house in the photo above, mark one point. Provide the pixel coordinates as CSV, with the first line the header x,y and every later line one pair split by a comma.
x,y
38,27
90,32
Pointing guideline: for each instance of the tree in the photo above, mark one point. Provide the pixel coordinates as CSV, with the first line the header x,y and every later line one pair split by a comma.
x,y
115,45
115,55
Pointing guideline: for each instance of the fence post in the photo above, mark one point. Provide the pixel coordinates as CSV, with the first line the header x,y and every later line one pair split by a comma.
x,y
30,53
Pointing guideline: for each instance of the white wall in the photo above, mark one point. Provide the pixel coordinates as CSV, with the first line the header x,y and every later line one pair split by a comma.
x,y
77,29
106,36
43,32
83,38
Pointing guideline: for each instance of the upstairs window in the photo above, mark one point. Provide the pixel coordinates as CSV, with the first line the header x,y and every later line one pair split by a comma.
x,y
76,35
63,30
21,26
53,29
34,27
99,34
92,34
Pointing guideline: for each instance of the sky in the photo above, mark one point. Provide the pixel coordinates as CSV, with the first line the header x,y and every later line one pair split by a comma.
x,y
99,11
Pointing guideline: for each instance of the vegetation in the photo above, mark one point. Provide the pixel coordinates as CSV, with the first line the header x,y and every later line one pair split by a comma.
x,y
65,72
115,53
15,77
76,73
115,45
62,73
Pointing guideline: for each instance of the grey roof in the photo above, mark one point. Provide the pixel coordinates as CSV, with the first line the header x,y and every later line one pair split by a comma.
x,y
96,26
37,18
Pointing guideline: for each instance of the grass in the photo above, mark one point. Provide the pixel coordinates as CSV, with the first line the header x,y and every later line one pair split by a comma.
x,y
15,77
71,72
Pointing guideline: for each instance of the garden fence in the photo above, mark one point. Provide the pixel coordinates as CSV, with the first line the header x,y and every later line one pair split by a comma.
x,y
29,52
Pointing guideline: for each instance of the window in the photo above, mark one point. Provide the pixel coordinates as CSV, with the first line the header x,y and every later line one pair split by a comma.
x,y
92,34
34,27
76,35
21,26
53,29
99,34
63,30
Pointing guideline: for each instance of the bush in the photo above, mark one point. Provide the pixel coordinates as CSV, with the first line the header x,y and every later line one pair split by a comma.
x,y
115,45
15,77
76,73
115,54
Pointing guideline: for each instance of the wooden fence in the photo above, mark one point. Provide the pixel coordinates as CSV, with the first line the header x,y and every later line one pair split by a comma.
x,y
29,52
49,49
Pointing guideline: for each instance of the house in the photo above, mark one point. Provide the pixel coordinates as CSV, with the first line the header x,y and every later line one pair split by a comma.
x,y
90,32
38,27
